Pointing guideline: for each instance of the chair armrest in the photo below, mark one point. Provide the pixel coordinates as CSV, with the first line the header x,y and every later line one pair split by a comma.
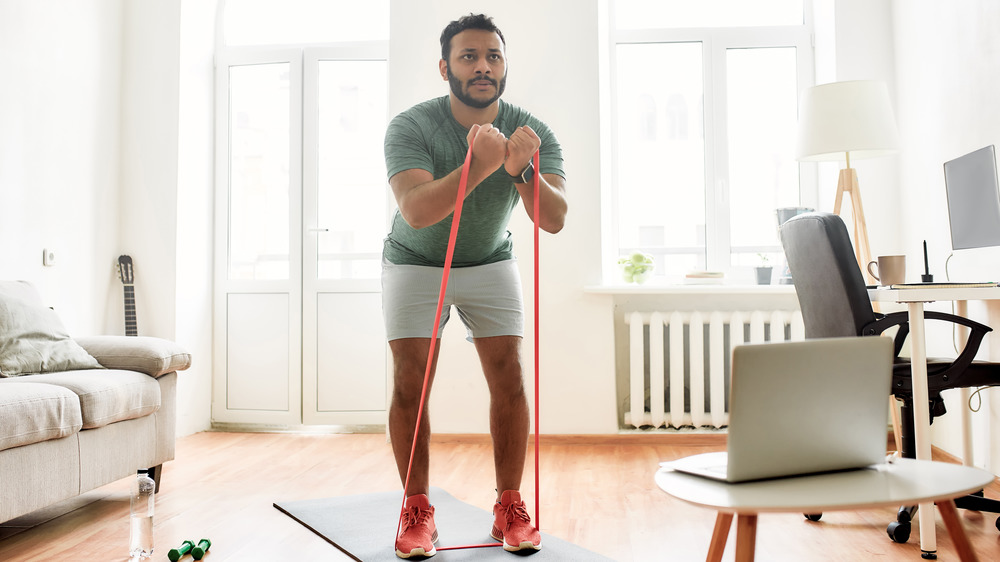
x,y
885,321
149,355
977,332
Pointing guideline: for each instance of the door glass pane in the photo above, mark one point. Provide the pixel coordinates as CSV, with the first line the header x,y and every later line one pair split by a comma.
x,y
643,14
274,22
763,173
352,190
661,154
258,171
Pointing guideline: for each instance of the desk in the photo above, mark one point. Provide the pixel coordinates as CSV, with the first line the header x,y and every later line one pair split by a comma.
x,y
904,482
914,300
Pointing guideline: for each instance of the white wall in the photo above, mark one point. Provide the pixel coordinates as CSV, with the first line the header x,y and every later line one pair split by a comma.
x,y
195,196
59,154
167,182
948,76
149,157
864,51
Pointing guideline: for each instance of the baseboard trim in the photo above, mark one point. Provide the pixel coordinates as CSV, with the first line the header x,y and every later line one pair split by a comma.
x,y
223,427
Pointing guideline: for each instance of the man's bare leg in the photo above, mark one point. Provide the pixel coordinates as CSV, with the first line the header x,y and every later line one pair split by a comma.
x,y
509,416
409,366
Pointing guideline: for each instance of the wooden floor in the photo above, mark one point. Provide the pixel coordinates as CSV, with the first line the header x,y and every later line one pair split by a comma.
x,y
597,492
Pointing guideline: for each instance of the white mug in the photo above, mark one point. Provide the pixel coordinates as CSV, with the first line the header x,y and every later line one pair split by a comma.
x,y
891,270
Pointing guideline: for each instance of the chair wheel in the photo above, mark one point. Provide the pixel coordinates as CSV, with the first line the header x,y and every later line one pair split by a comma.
x,y
905,514
898,532
817,516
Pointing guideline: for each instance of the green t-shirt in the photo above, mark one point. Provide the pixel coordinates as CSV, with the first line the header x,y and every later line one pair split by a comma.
x,y
428,137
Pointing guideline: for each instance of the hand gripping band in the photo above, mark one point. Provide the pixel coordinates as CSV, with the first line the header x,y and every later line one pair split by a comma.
x,y
452,237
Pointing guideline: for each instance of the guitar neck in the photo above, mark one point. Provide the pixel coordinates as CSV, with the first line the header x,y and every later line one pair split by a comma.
x,y
131,326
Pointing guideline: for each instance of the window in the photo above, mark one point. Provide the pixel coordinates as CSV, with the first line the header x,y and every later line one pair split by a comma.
x,y
303,109
292,22
704,100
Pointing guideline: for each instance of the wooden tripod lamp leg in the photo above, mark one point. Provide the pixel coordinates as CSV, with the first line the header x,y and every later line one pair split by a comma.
x,y
848,183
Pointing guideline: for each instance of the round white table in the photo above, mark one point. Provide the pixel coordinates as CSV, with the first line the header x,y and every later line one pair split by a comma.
x,y
904,482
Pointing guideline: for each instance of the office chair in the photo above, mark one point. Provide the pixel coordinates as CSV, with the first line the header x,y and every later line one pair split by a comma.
x,y
834,302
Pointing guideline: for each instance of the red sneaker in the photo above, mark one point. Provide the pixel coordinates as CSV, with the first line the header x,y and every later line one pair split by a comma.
x,y
512,524
417,532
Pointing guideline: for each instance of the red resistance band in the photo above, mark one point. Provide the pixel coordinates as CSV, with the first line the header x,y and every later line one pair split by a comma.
x,y
452,237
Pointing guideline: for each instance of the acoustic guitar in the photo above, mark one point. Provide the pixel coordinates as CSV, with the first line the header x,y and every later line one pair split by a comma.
x,y
125,274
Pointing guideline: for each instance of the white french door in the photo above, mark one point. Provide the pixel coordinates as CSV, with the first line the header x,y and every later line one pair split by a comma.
x,y
345,211
301,211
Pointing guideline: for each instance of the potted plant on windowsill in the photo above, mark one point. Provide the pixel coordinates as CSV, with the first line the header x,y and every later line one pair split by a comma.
x,y
636,268
763,270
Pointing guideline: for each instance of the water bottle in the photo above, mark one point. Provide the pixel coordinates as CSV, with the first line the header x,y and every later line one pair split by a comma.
x,y
140,544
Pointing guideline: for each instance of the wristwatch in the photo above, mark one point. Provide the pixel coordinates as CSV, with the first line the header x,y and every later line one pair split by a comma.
x,y
526,174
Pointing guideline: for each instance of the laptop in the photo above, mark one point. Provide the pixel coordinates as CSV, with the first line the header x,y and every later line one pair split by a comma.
x,y
803,407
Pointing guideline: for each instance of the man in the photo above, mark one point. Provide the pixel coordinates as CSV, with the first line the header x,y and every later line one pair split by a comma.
x,y
425,147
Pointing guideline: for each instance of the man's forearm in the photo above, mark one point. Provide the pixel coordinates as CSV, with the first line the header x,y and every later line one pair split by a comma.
x,y
431,202
553,205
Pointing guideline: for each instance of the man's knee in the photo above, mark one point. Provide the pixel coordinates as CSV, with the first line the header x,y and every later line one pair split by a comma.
x,y
409,359
504,366
407,386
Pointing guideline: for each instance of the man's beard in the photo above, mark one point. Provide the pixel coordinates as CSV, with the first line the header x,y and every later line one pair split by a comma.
x,y
456,88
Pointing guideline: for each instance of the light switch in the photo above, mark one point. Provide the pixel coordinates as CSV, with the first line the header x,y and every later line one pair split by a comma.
x,y
48,257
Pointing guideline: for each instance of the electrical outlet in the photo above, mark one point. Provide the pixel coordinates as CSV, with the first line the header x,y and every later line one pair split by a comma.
x,y
48,257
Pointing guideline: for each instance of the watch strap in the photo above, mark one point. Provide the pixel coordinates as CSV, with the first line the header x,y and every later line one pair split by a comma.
x,y
526,174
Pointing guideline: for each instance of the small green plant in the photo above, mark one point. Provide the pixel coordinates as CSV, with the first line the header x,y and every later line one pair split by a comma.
x,y
636,267
763,259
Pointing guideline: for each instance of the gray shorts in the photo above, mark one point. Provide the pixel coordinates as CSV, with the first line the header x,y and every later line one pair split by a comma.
x,y
488,299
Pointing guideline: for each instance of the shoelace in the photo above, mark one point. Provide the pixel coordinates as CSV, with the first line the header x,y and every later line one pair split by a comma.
x,y
516,510
413,516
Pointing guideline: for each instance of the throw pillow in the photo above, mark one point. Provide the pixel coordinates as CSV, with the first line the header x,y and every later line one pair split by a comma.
x,y
34,340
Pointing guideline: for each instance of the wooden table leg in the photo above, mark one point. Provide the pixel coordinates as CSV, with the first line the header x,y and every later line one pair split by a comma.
x,y
746,537
723,521
956,531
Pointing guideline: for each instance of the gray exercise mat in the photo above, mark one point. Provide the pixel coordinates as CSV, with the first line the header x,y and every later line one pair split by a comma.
x,y
364,527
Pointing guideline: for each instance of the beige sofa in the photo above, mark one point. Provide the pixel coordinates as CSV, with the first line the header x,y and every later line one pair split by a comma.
x,y
76,414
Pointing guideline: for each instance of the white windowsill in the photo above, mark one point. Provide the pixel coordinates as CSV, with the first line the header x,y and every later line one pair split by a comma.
x,y
709,289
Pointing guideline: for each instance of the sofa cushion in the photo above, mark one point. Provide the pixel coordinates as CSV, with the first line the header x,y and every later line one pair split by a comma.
x,y
33,412
106,395
32,338
153,356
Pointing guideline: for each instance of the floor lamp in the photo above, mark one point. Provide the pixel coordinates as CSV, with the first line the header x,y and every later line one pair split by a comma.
x,y
841,120
844,119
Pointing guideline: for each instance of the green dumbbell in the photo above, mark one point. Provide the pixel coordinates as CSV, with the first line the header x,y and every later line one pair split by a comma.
x,y
175,553
201,549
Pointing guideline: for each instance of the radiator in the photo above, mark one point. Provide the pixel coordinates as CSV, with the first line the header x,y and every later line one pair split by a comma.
x,y
687,355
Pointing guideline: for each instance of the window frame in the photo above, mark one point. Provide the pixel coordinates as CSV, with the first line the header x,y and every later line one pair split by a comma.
x,y
303,60
715,42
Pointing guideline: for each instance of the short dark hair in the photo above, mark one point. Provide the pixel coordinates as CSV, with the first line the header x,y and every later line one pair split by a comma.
x,y
471,21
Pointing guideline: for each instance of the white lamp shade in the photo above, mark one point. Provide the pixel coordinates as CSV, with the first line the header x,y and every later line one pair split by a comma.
x,y
841,117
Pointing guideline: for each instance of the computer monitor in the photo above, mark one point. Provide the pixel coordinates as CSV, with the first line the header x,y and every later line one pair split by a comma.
x,y
973,199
